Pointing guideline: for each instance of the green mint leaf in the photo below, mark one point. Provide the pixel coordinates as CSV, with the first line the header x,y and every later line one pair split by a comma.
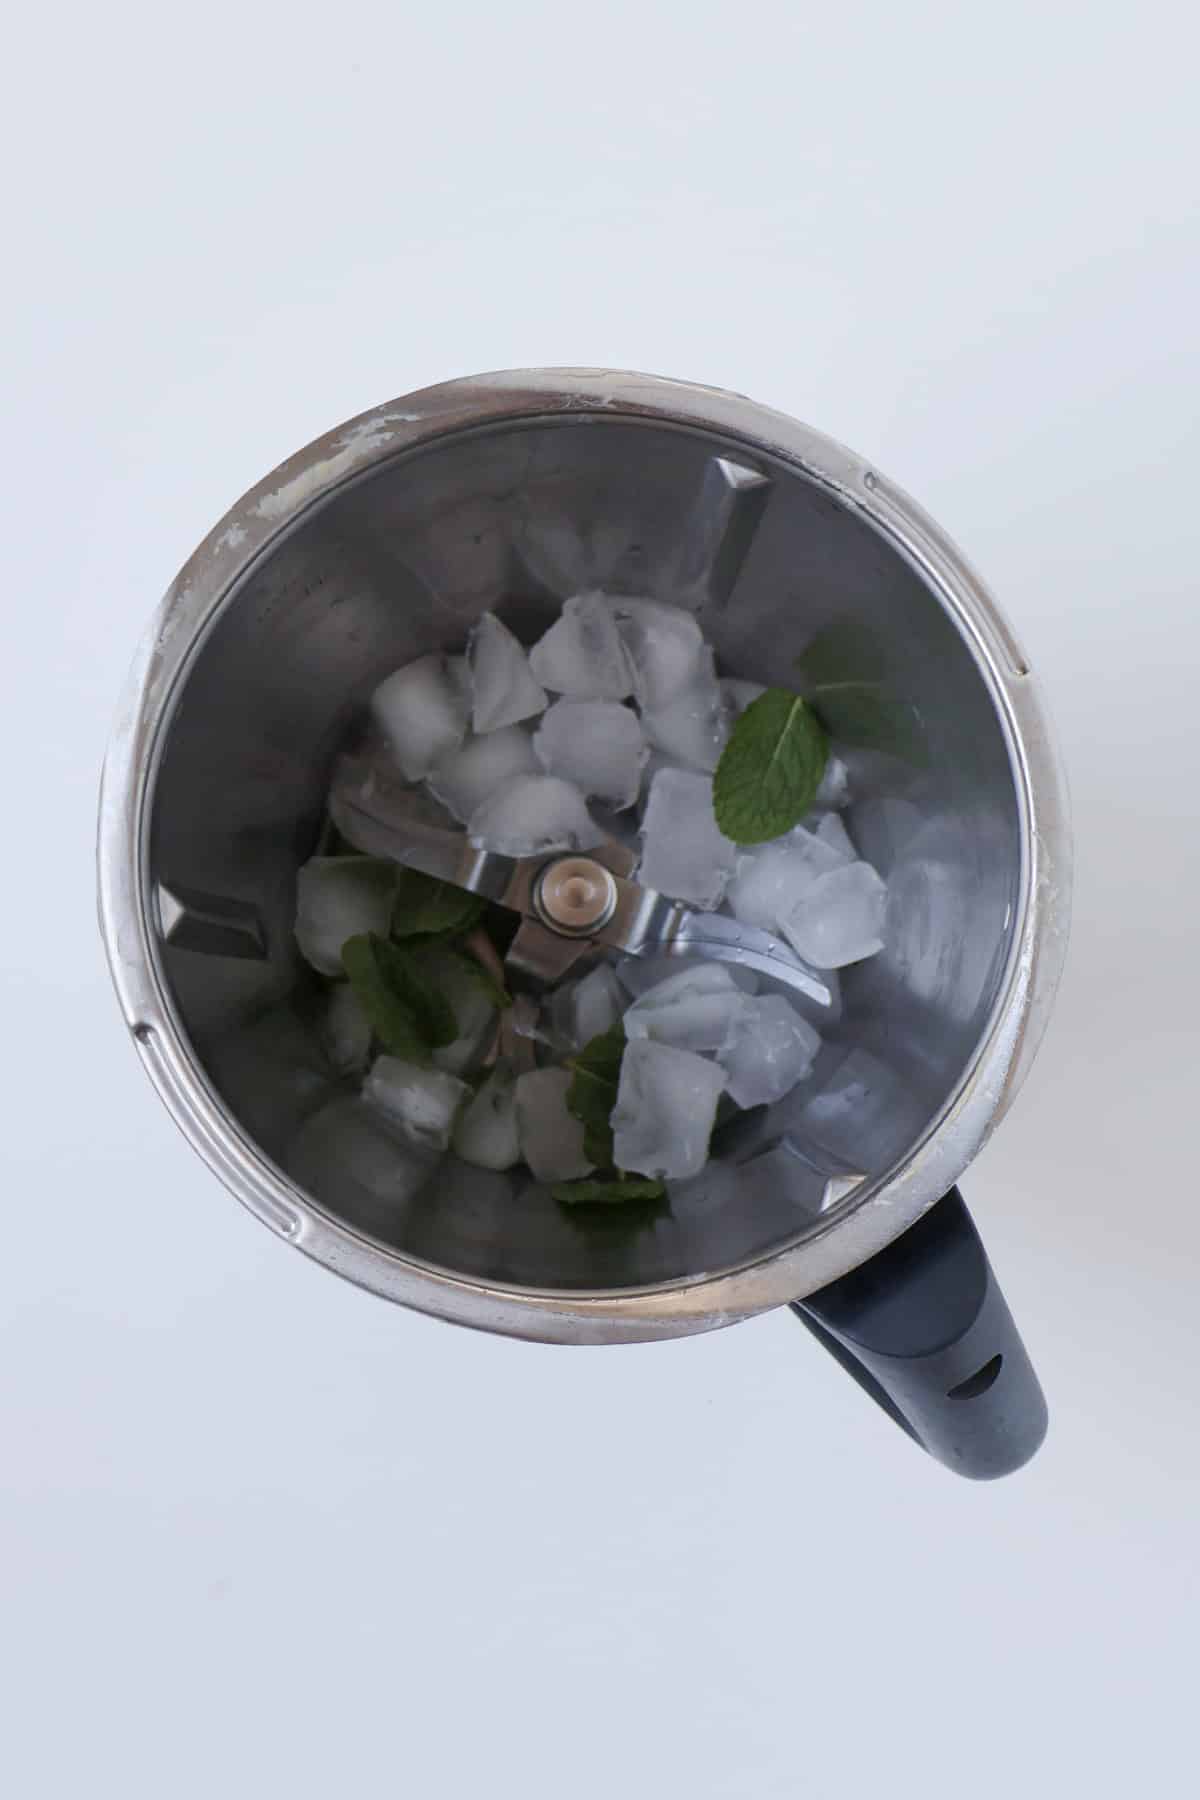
x,y
598,1144
840,654
474,970
847,680
617,1192
770,770
433,1009
408,1015
596,1069
427,908
857,713
595,1075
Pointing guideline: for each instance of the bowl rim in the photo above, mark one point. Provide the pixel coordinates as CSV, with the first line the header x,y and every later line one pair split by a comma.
x,y
252,529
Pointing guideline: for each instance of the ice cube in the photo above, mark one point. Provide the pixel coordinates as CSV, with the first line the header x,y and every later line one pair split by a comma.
x,y
551,1137
666,1106
503,686
769,881
597,744
338,897
474,1012
767,1050
637,974
692,728
468,776
665,647
419,1104
738,695
349,1144
582,655
345,1030
683,853
694,1009
582,1010
655,761
533,813
831,831
834,789
486,1132
838,919
421,712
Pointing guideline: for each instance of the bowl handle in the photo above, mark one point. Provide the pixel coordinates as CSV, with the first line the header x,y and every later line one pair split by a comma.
x,y
924,1329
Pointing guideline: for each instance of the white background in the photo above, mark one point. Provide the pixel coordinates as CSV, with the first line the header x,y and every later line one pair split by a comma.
x,y
263,1534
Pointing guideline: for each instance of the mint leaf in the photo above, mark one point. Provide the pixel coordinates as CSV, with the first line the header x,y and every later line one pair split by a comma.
x,y
595,1075
408,1015
434,1011
482,978
592,1191
595,1078
598,1145
847,680
600,1058
770,770
859,713
427,908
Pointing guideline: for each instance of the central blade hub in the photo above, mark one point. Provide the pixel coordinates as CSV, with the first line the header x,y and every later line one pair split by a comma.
x,y
575,895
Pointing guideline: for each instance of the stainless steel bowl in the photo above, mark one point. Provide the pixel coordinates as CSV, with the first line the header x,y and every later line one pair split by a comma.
x,y
385,540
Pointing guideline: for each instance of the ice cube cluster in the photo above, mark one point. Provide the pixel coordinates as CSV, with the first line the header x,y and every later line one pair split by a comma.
x,y
618,706
811,889
516,743
693,1036
619,703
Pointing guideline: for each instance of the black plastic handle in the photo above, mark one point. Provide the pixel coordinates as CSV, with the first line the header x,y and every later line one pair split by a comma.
x,y
924,1329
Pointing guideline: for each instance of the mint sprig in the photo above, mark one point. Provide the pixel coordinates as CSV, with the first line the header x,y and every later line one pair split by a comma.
x,y
770,770
595,1077
408,1015
604,1191
847,681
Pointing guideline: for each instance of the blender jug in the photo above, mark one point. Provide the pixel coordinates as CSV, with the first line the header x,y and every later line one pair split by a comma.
x,y
806,569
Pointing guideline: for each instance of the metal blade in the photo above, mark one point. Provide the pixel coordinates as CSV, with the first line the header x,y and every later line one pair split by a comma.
x,y
646,923
727,940
542,956
381,816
